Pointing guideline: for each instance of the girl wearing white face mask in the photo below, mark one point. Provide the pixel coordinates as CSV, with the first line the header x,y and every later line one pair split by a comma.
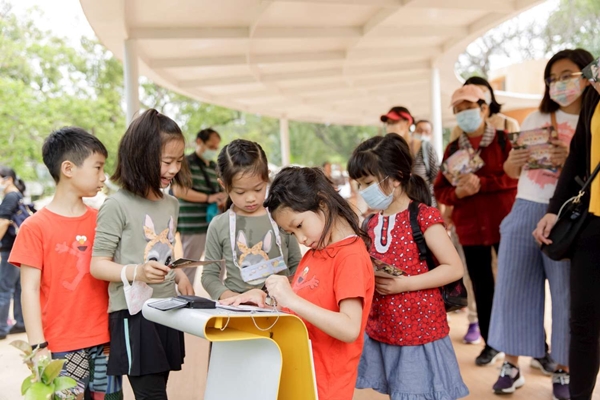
x,y
480,200
399,341
517,325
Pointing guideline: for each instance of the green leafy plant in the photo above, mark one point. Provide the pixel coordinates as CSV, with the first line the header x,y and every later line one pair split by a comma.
x,y
44,383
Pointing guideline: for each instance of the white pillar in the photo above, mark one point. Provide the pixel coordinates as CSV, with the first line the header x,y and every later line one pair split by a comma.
x,y
284,134
436,111
130,72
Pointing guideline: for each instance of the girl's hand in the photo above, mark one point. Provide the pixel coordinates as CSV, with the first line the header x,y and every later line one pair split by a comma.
x,y
216,197
184,286
544,227
391,285
559,153
279,288
152,272
518,157
254,296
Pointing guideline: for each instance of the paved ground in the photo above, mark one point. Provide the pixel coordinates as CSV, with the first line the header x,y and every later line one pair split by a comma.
x,y
189,383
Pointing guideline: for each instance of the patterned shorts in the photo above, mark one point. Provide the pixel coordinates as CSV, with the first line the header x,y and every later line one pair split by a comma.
x,y
88,367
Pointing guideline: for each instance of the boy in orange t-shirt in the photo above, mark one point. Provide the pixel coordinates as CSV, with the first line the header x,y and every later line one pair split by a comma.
x,y
64,307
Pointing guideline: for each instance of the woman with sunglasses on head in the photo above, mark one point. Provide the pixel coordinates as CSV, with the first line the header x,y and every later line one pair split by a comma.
x,y
426,164
517,325
584,322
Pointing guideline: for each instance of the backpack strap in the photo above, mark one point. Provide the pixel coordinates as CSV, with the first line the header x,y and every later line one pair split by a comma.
x,y
424,254
501,137
425,153
453,147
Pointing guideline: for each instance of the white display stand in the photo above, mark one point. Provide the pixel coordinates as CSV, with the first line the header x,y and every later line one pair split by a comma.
x,y
246,362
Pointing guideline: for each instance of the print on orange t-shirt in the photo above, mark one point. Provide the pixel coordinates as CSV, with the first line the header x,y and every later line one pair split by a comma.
x,y
74,304
325,277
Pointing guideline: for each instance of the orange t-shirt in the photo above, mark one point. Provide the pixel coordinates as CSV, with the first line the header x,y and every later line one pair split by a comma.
x,y
325,277
74,304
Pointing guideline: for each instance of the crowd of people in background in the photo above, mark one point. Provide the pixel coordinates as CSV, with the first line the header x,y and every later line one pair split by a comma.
x,y
389,332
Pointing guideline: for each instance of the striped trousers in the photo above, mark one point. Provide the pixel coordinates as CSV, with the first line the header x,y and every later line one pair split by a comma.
x,y
517,324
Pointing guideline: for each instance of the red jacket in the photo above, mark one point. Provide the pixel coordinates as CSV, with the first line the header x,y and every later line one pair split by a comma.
x,y
477,218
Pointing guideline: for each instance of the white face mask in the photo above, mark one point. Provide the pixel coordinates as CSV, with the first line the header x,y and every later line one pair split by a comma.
x,y
136,294
418,136
375,198
210,154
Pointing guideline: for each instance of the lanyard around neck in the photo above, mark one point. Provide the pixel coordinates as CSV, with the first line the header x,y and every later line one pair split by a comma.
x,y
232,232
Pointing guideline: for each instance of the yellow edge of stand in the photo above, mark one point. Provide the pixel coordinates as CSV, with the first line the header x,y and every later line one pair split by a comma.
x,y
290,335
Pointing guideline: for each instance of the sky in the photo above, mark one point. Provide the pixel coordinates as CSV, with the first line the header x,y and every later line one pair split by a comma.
x,y
66,18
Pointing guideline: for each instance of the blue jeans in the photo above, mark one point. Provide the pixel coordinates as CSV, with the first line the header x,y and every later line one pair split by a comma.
x,y
10,288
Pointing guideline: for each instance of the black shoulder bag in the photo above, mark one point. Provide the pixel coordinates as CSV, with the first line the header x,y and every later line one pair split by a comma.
x,y
454,294
571,217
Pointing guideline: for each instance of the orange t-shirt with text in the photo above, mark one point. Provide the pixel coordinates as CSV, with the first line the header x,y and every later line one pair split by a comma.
x,y
74,304
325,277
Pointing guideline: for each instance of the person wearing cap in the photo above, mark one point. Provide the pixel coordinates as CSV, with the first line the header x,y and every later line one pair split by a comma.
x,y
426,164
495,117
498,121
481,199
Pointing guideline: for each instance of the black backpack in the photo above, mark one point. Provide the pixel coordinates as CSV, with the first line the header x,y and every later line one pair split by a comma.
x,y
23,212
454,294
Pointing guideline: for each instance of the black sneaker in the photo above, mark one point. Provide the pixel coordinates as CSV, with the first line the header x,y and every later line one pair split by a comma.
x,y
16,329
488,356
545,364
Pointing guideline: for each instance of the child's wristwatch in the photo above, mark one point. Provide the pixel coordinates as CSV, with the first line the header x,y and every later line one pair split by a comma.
x,y
39,346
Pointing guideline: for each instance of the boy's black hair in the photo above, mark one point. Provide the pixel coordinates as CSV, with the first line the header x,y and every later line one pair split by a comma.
x,y
140,151
580,57
69,143
308,189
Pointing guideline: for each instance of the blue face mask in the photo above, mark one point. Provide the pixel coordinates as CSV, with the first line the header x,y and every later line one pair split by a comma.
x,y
469,120
375,198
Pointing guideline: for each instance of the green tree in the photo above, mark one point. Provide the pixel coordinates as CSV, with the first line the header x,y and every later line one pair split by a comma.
x,y
574,23
46,83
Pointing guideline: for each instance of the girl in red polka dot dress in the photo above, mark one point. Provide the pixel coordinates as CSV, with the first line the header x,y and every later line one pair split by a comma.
x,y
407,352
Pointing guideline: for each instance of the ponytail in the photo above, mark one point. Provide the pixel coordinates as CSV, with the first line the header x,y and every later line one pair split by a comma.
x,y
20,185
417,190
6,172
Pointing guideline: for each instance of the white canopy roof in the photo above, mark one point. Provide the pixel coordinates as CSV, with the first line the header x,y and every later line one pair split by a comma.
x,y
329,61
